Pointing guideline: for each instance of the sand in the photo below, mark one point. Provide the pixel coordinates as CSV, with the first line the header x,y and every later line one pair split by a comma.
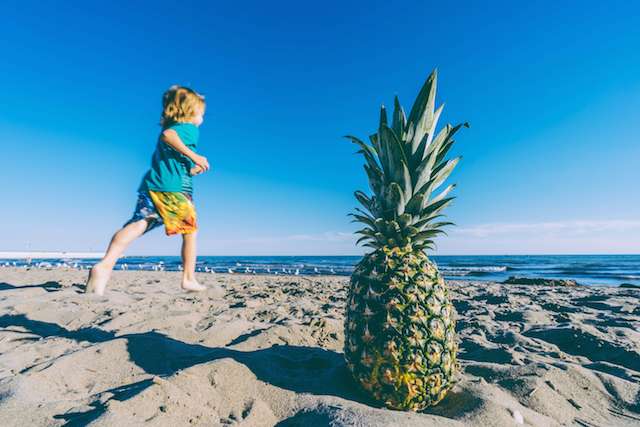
x,y
269,353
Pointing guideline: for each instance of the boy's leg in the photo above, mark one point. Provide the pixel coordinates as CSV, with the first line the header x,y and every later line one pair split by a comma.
x,y
99,275
189,282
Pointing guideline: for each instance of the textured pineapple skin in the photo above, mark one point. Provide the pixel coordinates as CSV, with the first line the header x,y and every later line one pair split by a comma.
x,y
400,342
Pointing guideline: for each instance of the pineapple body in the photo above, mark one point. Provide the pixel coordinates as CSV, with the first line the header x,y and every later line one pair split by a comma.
x,y
400,342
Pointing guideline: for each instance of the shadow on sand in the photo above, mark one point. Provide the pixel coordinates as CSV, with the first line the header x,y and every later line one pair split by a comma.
x,y
47,286
299,369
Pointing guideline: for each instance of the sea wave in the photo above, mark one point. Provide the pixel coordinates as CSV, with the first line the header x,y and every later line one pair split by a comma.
x,y
478,269
603,274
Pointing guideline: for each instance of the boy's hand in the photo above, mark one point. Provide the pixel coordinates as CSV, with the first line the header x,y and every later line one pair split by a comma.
x,y
201,161
196,170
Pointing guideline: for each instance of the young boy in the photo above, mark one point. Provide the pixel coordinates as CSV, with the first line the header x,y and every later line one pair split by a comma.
x,y
165,194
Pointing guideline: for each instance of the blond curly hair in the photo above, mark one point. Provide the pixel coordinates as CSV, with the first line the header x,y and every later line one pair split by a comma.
x,y
179,104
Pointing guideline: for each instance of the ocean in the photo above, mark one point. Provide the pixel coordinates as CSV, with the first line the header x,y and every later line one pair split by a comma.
x,y
585,269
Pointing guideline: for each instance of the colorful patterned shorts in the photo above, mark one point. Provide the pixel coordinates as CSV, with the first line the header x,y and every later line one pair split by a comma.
x,y
175,210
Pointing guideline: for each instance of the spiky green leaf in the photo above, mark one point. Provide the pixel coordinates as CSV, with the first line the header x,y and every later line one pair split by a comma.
x,y
399,119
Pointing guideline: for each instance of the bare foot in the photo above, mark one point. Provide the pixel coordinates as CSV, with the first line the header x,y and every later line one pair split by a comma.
x,y
192,286
98,278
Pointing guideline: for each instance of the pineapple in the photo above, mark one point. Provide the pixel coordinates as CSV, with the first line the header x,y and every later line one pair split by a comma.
x,y
400,342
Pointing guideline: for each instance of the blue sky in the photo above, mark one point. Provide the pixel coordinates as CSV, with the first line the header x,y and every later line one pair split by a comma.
x,y
552,94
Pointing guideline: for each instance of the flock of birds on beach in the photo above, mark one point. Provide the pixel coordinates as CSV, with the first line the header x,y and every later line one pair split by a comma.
x,y
160,266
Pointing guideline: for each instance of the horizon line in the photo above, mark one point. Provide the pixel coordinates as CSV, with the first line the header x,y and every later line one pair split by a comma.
x,y
98,255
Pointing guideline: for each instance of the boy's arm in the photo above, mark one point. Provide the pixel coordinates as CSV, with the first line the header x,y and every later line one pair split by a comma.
x,y
171,138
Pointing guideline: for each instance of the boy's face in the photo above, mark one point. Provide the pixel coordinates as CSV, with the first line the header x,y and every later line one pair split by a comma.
x,y
198,118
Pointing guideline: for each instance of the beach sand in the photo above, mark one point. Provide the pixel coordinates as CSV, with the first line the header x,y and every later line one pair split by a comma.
x,y
270,353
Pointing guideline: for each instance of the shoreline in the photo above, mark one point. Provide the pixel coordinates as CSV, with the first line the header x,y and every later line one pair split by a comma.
x,y
307,276
609,270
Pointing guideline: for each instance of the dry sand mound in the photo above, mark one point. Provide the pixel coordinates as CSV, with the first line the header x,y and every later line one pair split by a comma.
x,y
269,353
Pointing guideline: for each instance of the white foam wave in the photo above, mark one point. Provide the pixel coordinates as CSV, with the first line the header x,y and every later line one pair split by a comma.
x,y
463,271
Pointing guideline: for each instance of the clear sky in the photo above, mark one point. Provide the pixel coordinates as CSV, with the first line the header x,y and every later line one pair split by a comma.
x,y
552,92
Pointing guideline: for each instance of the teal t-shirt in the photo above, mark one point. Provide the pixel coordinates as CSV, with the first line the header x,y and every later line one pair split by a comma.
x,y
170,170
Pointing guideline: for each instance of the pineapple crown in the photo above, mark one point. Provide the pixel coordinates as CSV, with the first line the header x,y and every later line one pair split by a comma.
x,y
405,164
